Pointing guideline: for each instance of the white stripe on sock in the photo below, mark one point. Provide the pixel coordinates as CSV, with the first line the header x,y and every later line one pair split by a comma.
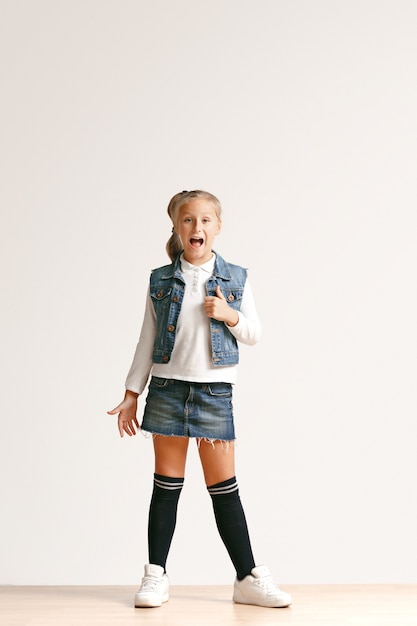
x,y
215,491
168,486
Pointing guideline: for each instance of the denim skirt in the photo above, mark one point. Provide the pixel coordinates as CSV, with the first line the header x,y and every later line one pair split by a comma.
x,y
184,409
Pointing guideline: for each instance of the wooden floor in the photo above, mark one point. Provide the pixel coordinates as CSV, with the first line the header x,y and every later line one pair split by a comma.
x,y
318,605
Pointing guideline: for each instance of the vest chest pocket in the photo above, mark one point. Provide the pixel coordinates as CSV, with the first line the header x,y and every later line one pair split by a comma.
x,y
233,297
161,297
160,293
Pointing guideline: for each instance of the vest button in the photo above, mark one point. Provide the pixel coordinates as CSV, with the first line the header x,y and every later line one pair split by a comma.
x,y
175,299
159,294
230,297
171,328
165,358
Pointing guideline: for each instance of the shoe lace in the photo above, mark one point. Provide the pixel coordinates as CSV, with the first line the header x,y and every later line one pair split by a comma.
x,y
150,583
267,584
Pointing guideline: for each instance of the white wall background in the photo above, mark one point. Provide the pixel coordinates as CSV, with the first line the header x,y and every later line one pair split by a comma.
x,y
301,116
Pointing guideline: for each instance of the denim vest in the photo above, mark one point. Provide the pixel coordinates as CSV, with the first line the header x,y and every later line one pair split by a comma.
x,y
167,291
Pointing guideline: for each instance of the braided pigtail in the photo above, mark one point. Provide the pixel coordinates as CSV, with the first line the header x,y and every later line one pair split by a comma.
x,y
174,246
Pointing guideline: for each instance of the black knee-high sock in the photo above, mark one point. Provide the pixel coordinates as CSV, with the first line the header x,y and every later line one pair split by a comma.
x,y
163,517
231,522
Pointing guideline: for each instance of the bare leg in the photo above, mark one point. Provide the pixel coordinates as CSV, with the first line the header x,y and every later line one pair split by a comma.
x,y
170,455
217,460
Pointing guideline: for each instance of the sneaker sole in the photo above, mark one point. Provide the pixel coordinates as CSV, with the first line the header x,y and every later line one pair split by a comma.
x,y
273,604
150,604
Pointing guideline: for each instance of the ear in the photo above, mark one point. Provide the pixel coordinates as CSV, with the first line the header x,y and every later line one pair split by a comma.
x,y
219,227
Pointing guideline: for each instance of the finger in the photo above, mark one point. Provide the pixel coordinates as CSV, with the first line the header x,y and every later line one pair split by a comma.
x,y
114,411
128,427
219,293
130,430
125,428
121,423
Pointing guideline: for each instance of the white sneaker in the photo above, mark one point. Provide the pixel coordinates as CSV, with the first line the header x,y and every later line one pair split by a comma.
x,y
154,589
259,588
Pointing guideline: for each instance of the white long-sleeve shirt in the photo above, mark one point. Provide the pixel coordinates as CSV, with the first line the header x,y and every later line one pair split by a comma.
x,y
191,356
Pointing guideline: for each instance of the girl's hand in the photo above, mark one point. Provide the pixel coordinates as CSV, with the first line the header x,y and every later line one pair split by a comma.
x,y
127,421
217,308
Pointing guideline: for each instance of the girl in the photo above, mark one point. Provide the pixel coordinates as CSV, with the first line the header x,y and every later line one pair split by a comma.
x,y
198,308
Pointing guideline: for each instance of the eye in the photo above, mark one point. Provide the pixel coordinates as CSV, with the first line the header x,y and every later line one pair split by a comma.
x,y
206,220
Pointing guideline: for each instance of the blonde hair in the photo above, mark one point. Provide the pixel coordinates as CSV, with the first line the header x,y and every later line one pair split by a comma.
x,y
174,244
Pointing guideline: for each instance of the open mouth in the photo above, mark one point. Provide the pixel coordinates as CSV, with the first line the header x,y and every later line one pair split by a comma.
x,y
196,241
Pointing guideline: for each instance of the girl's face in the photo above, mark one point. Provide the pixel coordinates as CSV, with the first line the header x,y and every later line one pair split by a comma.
x,y
197,225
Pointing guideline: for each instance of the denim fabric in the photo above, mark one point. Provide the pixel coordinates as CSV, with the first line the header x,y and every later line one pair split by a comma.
x,y
167,292
184,409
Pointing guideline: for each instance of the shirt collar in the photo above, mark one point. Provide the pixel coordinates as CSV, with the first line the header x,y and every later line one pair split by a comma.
x,y
206,267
